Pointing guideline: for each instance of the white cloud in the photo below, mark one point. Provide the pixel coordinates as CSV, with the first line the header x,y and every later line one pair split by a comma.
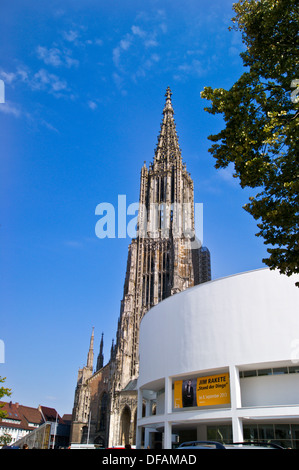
x,y
9,108
151,42
71,35
226,175
48,125
135,45
75,37
92,105
15,111
146,65
163,28
137,31
10,77
23,74
133,55
116,56
56,57
49,56
43,80
194,68
125,43
118,80
99,42
70,62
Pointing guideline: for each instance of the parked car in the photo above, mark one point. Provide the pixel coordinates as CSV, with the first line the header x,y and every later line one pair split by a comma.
x,y
201,445
236,445
253,445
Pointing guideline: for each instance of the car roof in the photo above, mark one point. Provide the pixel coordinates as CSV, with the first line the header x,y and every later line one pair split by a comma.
x,y
235,445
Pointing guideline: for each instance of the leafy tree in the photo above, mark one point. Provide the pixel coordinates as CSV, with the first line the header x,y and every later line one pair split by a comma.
x,y
5,439
3,392
261,112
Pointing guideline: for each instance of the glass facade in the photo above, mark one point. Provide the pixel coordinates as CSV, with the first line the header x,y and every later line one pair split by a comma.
x,y
270,371
220,433
285,435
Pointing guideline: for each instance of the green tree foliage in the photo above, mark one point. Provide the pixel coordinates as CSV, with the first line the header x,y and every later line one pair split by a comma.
x,y
261,112
3,392
5,439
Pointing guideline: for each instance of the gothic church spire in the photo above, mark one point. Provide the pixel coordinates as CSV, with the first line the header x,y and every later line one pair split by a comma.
x,y
100,361
167,150
90,352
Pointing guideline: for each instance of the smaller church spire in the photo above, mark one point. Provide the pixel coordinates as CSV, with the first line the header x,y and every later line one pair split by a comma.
x,y
90,352
112,351
100,361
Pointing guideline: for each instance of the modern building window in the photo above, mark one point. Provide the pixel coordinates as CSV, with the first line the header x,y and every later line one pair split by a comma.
x,y
220,433
270,371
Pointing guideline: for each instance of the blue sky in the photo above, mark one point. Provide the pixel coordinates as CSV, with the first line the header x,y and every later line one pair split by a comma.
x,y
84,94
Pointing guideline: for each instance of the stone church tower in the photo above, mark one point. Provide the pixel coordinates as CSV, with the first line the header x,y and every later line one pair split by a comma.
x,y
163,259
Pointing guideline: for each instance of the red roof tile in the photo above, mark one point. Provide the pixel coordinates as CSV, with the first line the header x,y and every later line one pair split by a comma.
x,y
26,417
50,414
20,417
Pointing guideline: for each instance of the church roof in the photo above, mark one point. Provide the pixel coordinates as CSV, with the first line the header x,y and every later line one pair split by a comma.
x,y
131,386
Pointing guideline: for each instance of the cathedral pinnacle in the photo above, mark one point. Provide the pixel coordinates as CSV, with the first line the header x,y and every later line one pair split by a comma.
x,y
90,352
167,149
100,361
168,104
168,92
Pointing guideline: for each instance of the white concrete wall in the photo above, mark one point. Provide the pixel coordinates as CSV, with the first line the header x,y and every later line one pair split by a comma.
x,y
270,390
244,322
250,318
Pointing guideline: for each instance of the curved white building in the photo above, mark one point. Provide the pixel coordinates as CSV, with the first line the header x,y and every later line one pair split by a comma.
x,y
235,342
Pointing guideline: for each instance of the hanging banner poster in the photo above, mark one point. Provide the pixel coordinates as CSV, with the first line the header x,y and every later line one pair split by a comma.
x,y
202,391
177,393
213,390
184,393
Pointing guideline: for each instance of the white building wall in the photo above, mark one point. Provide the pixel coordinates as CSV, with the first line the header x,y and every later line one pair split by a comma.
x,y
15,433
240,323
270,390
244,319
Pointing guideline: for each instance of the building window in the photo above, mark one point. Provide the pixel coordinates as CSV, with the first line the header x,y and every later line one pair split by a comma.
x,y
270,371
220,433
285,435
